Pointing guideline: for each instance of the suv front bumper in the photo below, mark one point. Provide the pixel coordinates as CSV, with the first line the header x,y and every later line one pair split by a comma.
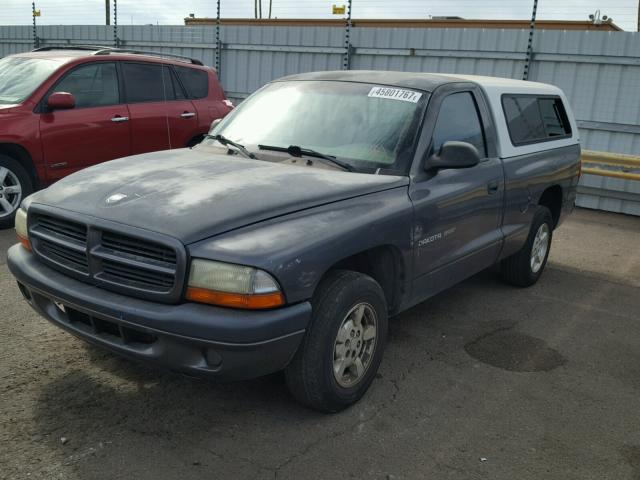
x,y
191,338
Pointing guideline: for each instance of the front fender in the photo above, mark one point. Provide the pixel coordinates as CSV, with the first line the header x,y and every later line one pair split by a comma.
x,y
299,248
20,138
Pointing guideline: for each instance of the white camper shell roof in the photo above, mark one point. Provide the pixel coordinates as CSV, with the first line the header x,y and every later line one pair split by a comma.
x,y
494,88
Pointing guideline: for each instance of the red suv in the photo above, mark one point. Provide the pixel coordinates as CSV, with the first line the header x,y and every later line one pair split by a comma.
x,y
63,109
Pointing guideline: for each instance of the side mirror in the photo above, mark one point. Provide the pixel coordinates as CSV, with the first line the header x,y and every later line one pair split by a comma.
x,y
214,124
61,101
454,155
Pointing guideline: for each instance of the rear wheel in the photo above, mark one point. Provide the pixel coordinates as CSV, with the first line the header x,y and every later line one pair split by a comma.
x,y
525,267
15,185
343,346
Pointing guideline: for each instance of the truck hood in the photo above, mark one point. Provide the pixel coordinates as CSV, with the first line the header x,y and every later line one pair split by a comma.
x,y
195,194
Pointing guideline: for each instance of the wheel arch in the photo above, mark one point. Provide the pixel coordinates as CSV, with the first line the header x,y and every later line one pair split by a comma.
x,y
384,264
196,139
19,153
552,199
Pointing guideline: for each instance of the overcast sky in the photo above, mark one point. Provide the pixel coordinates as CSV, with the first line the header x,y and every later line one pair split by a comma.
x,y
172,12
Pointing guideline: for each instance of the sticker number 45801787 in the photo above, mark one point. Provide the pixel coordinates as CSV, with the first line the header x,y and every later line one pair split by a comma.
x,y
395,94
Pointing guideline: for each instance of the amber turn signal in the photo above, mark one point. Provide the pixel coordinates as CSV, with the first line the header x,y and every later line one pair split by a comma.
x,y
21,228
235,300
25,242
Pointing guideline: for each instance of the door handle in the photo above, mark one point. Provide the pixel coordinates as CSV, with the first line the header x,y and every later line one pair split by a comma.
x,y
188,115
119,118
492,187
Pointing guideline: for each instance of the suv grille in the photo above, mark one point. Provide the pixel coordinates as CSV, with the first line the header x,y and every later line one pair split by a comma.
x,y
105,257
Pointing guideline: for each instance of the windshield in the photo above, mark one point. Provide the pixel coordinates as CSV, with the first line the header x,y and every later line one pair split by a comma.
x,y
19,77
368,126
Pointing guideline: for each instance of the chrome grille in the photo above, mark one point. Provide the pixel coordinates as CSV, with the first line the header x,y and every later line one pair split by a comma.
x,y
107,258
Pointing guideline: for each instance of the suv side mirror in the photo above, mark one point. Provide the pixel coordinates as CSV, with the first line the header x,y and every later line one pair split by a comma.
x,y
454,155
61,101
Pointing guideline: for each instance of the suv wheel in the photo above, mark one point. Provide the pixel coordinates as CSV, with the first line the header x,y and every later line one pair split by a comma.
x,y
343,347
15,185
525,267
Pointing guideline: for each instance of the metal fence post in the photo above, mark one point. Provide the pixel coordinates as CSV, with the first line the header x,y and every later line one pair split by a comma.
x,y
218,45
36,40
116,40
346,64
532,27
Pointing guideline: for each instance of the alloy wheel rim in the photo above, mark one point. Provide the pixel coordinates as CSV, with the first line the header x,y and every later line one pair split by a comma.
x,y
540,247
355,345
10,192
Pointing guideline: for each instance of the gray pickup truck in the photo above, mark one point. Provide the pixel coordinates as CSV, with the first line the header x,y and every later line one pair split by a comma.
x,y
325,203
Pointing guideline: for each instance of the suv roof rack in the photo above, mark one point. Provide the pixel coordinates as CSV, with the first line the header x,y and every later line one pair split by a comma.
x,y
104,50
49,48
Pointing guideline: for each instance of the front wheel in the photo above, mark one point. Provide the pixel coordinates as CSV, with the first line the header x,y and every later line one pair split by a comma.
x,y
15,184
343,347
525,267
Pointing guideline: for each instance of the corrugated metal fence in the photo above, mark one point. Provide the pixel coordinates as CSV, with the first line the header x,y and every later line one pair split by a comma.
x,y
599,71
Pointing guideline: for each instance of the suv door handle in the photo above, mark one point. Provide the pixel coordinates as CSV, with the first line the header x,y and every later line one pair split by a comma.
x,y
492,187
119,118
188,115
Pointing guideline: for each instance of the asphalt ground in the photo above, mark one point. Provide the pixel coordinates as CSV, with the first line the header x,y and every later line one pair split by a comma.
x,y
484,381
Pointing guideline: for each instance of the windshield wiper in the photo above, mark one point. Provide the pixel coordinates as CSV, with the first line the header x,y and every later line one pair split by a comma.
x,y
296,151
226,142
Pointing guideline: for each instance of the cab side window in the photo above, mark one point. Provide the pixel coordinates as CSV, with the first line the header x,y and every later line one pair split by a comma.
x,y
458,120
94,85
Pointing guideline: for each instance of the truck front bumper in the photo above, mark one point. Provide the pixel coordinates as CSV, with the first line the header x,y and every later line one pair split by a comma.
x,y
195,339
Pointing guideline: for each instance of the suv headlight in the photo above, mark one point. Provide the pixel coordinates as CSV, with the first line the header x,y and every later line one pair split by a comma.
x,y
232,285
21,228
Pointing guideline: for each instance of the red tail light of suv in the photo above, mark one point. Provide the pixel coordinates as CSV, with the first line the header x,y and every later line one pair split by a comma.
x,y
66,108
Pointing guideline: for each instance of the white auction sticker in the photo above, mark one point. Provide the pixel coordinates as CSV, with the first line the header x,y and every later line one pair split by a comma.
x,y
395,94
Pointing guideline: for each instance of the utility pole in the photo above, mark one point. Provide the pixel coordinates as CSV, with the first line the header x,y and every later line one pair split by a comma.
x,y
255,8
532,27
107,13
271,4
260,8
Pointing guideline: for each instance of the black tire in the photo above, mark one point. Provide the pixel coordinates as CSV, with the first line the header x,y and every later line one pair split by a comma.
x,y
310,376
517,268
16,172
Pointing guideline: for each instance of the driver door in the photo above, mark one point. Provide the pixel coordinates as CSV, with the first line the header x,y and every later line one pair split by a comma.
x,y
458,212
95,131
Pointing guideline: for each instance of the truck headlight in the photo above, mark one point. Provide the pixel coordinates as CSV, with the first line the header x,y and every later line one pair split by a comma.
x,y
230,285
21,228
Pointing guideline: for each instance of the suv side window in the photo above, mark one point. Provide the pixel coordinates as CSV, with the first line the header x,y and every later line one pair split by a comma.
x,y
93,85
458,120
150,82
532,119
195,81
